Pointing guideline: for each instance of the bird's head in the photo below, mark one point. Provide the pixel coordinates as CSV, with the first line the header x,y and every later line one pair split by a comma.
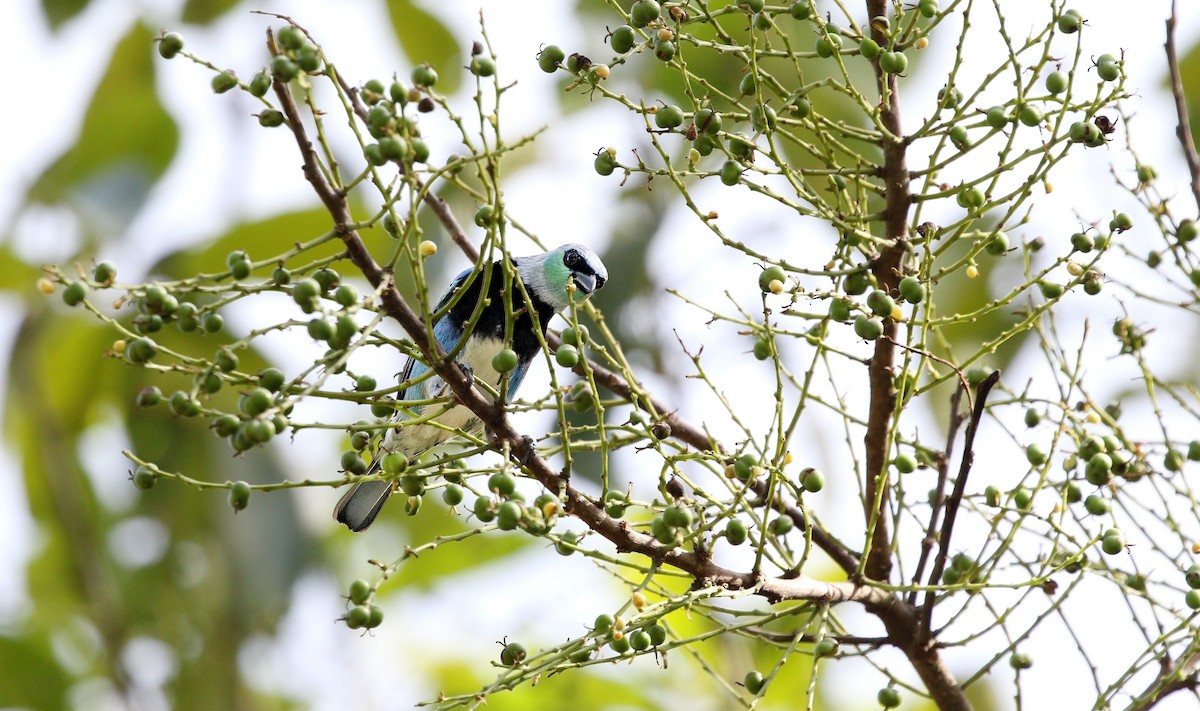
x,y
550,276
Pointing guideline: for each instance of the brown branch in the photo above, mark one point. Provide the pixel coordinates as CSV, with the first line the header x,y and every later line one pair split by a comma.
x,y
1174,676
960,486
1183,129
956,420
887,268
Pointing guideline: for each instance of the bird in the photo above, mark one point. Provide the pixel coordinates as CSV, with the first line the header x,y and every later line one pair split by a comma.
x,y
553,279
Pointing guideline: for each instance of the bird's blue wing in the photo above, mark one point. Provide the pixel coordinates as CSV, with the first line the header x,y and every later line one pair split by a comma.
x,y
454,285
515,378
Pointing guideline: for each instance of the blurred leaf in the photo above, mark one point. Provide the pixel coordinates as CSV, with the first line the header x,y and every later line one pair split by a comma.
x,y
425,39
127,140
16,275
202,12
58,12
40,683
1189,72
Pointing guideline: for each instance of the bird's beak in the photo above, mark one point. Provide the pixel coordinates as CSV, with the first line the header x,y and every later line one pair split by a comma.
x,y
584,282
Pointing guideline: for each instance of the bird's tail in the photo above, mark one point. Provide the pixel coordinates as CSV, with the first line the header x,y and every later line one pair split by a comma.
x,y
359,506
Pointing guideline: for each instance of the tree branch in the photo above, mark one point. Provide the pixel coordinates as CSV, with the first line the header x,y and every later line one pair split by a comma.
x,y
1183,127
952,504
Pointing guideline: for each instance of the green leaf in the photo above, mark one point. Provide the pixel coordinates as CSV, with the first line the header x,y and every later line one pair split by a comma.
x,y
127,140
58,12
425,39
202,12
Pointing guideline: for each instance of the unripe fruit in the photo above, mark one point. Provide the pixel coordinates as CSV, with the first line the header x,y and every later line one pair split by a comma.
x,y
567,356
622,39
505,361
888,697
893,62
550,58
644,12
239,495
75,293
424,75
753,681
912,290
731,172
735,532
606,162
867,327
1056,82
668,117
144,477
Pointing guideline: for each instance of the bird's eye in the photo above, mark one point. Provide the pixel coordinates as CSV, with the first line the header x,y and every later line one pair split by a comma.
x,y
571,258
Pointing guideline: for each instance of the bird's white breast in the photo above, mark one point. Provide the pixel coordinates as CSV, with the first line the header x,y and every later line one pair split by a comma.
x,y
417,439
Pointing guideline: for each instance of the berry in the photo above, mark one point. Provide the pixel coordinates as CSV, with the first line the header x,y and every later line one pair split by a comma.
x,y
893,62
1186,232
482,66
812,480
731,172
144,477
550,58
644,12
997,117
424,75
360,592
75,293
1020,660
1096,505
239,495
1069,22
505,361
867,327
606,161
735,532
357,617
170,45
668,117
283,68
888,697
912,290
567,356
1056,82
1030,115
622,39
260,84
753,681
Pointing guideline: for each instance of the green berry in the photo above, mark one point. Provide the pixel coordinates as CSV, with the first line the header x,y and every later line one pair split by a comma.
x,y
888,697
997,117
753,681
550,58
622,39
735,532
567,356
812,480
424,75
75,293
505,361
1020,660
867,327
880,303
668,117
644,12
731,172
260,84
912,290
869,48
800,10
1192,599
1069,22
1112,545
239,495
394,463
1096,505
1030,115
360,592
1192,577
606,161
357,617
482,66
893,62
144,477
284,69
1056,82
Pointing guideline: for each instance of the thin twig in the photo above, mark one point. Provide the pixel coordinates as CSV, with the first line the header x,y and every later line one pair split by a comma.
x,y
956,420
952,504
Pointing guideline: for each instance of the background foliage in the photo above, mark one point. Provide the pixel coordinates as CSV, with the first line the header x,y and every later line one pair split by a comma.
x,y
168,599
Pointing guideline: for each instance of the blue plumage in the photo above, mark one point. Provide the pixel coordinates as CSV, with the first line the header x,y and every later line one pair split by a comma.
x,y
551,279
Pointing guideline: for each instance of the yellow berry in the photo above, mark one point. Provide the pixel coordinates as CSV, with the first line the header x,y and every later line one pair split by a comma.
x,y
118,346
897,313
45,286
972,271
639,600
775,286
788,458
428,248
1074,268
602,71
665,34
1048,186
923,43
